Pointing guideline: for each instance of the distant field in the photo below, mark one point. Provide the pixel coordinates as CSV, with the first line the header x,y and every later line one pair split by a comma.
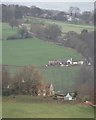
x,y
7,31
66,27
26,107
34,51
37,52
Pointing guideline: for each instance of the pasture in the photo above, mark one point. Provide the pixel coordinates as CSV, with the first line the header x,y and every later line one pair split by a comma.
x,y
29,107
7,30
66,27
37,52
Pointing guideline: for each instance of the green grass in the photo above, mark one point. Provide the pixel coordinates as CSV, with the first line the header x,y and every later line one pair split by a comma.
x,y
15,108
7,30
62,78
34,51
37,52
66,27
0,30
0,52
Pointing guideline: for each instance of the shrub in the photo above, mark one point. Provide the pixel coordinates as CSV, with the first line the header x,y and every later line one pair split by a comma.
x,y
26,80
13,37
6,81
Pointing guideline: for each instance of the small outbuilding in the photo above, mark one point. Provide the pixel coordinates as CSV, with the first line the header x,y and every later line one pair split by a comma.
x,y
68,97
69,61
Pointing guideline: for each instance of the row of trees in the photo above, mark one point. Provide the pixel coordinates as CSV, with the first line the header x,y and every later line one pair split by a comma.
x,y
43,31
29,80
17,12
83,43
50,31
84,83
25,81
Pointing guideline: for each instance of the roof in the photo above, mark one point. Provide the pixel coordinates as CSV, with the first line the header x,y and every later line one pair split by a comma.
x,y
68,95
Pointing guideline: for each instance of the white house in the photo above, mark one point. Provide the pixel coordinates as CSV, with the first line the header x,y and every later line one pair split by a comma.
x,y
80,62
68,97
69,61
69,18
75,63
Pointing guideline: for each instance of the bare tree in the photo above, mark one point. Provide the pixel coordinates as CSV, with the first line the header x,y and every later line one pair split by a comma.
x,y
27,79
74,11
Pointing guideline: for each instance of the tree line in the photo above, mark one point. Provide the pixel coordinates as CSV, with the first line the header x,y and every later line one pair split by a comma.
x,y
83,43
84,83
26,80
18,12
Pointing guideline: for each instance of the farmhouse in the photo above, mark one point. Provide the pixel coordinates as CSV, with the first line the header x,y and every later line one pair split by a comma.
x,y
68,97
59,63
80,62
75,63
64,63
45,90
64,97
69,61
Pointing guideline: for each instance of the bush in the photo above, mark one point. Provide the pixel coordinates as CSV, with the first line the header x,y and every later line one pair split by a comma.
x,y
25,35
26,80
13,37
53,31
84,83
6,81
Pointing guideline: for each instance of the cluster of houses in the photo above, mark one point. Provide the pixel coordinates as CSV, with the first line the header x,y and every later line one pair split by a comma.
x,y
67,62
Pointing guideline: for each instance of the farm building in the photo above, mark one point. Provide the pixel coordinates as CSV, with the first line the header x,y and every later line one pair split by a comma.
x,y
45,90
80,62
68,97
69,61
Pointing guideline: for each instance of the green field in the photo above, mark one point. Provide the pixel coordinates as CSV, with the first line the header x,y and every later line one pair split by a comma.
x,y
37,52
29,107
66,27
7,30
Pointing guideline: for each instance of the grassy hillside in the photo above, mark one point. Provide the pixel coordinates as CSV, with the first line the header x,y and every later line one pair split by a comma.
x,y
66,27
7,30
62,78
25,107
37,52
34,51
